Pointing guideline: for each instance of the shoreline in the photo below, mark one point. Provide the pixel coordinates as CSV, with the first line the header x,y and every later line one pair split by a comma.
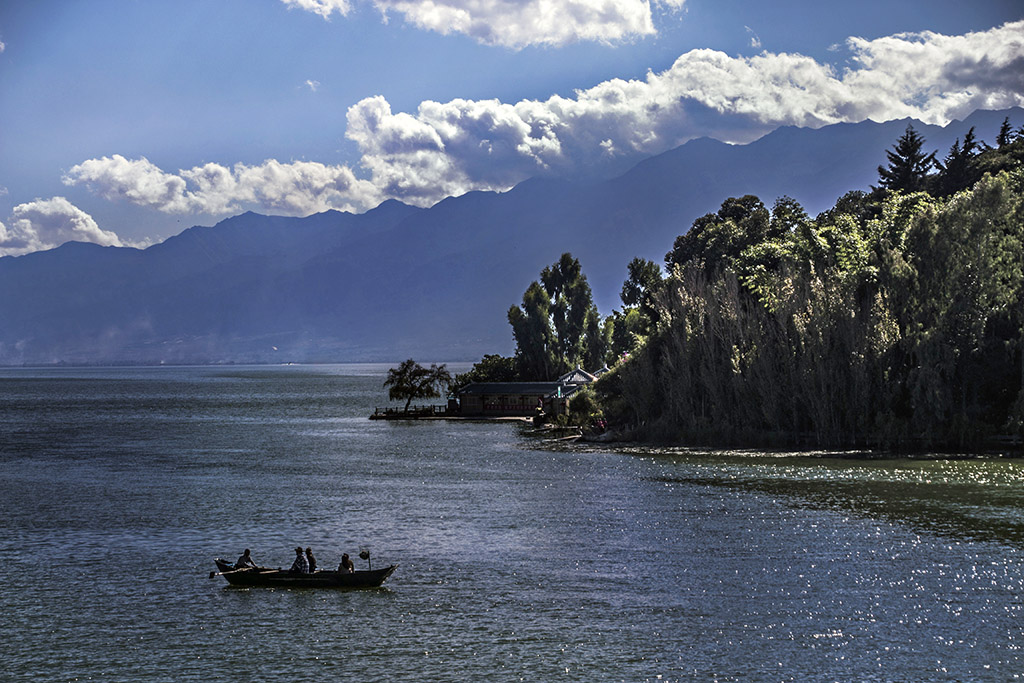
x,y
392,417
990,450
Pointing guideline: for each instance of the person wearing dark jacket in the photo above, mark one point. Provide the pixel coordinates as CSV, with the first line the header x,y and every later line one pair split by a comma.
x,y
245,561
300,565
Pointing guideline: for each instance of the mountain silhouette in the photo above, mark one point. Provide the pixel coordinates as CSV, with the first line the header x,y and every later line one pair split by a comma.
x,y
399,281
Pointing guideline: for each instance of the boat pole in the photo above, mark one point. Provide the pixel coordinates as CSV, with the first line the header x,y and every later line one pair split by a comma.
x,y
231,571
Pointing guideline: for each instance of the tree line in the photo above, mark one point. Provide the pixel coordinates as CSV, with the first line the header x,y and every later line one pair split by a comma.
x,y
892,320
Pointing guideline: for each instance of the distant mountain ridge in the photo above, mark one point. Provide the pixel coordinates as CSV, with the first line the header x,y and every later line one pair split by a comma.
x,y
400,281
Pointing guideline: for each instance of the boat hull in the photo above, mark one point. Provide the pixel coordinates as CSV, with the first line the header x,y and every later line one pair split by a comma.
x,y
278,578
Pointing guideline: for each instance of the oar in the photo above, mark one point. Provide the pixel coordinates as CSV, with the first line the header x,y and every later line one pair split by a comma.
x,y
233,571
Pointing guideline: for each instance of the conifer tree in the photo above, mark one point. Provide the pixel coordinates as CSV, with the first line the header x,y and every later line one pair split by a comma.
x,y
1005,135
958,170
908,164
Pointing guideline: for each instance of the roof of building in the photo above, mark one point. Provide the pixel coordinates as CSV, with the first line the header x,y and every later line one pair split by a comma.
x,y
577,376
522,388
567,383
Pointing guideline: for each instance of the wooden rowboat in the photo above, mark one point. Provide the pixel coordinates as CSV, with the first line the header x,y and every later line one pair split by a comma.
x,y
282,578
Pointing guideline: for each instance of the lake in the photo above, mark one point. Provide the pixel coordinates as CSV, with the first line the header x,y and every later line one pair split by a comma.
x,y
519,559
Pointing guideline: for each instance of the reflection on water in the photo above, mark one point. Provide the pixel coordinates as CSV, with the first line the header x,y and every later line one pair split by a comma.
x,y
965,497
976,499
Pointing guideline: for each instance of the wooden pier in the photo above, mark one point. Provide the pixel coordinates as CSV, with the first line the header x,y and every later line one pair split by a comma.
x,y
413,413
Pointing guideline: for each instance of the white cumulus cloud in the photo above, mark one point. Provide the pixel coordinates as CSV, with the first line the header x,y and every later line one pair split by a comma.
x,y
515,23
449,148
48,223
937,77
135,180
461,145
295,188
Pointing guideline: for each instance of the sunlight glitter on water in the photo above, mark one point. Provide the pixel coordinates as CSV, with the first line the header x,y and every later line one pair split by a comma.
x,y
515,562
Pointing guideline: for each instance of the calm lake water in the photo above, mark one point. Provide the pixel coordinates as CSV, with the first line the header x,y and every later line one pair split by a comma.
x,y
518,561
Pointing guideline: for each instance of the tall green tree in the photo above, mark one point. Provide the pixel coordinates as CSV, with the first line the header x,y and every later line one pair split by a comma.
x,y
909,165
630,327
410,380
558,326
536,343
641,286
572,307
628,331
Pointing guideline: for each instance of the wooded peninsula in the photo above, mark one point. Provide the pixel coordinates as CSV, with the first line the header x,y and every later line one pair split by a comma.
x,y
893,320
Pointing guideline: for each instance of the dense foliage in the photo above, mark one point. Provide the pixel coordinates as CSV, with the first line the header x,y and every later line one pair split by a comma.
x,y
557,327
630,327
892,320
491,368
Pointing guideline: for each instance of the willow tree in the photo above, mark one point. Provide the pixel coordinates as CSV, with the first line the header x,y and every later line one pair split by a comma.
x,y
410,380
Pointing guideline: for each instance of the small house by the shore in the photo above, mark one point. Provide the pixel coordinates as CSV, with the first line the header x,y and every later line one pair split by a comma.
x,y
525,399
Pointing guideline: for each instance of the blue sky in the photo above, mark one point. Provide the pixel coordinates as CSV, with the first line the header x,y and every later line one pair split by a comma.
x,y
127,121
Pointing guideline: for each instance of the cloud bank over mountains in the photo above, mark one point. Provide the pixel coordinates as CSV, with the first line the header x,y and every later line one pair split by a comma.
x,y
517,24
463,145
297,188
450,148
445,149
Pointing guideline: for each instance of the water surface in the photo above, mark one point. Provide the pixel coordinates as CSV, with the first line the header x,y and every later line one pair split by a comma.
x,y
518,561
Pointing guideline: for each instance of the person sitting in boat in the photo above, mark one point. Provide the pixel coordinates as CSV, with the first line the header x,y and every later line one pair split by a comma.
x,y
346,566
311,560
300,565
245,561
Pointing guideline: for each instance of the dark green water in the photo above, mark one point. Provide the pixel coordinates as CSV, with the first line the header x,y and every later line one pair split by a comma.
x,y
517,561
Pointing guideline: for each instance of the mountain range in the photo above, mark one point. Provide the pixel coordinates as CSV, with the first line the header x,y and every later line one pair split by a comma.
x,y
399,281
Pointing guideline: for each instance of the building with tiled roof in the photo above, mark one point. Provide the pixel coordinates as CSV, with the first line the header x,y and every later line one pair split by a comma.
x,y
526,399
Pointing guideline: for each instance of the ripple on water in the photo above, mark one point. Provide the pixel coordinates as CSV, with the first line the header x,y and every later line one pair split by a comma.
x,y
515,562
